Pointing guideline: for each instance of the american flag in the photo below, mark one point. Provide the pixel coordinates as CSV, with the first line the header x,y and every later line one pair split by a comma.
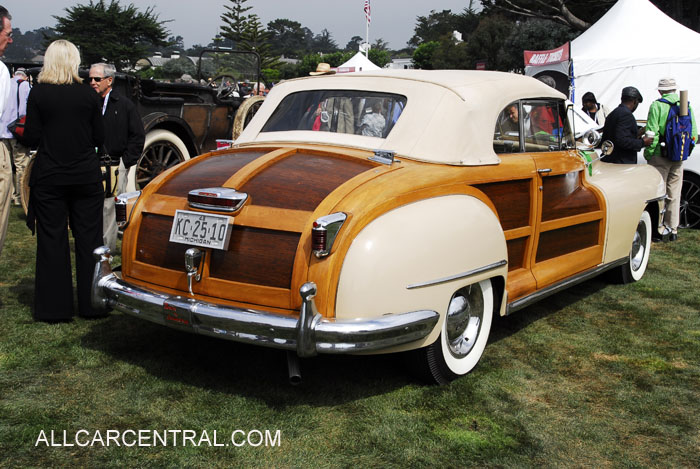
x,y
368,11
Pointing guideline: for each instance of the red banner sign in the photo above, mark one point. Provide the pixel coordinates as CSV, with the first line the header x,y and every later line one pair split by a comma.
x,y
546,57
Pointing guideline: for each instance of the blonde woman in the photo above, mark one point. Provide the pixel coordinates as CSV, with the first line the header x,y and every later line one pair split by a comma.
x,y
64,120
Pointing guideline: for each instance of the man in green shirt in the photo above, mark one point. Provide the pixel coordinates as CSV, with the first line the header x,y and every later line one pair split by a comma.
x,y
671,171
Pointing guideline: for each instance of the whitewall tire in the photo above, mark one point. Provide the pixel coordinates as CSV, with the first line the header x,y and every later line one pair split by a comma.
x,y
465,332
633,270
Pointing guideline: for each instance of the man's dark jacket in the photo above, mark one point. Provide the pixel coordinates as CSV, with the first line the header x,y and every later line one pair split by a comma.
x,y
621,129
124,135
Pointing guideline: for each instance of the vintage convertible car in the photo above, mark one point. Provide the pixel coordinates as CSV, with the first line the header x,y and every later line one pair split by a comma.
x,y
381,212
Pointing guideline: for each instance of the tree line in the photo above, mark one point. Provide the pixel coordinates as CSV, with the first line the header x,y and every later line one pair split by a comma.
x,y
494,32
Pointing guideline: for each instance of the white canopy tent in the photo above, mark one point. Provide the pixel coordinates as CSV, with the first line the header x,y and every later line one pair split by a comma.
x,y
633,44
358,63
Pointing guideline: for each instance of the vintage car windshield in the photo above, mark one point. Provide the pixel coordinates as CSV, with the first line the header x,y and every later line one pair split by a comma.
x,y
341,111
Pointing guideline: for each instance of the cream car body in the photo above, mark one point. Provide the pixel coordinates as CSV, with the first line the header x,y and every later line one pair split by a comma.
x,y
348,243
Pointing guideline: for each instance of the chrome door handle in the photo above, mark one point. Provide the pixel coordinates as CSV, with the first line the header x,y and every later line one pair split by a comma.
x,y
544,171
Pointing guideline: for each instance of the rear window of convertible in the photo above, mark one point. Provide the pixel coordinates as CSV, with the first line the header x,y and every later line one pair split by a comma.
x,y
350,112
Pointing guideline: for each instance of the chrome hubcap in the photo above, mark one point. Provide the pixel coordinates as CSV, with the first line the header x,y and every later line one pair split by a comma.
x,y
464,318
638,246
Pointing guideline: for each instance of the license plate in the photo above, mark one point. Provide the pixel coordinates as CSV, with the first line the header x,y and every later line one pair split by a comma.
x,y
201,229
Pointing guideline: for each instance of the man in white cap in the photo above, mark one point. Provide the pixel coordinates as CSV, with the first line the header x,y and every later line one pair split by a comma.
x,y
671,171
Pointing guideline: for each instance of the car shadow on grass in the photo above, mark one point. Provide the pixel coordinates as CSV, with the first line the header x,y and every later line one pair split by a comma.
x,y
242,369
504,327
261,372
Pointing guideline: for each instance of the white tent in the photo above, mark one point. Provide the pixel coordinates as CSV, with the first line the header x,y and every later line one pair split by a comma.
x,y
358,63
635,44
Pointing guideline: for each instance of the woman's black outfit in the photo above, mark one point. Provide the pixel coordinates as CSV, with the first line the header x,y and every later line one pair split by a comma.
x,y
65,121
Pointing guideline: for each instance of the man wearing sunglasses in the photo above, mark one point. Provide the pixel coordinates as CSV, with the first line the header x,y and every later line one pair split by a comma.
x,y
124,139
6,179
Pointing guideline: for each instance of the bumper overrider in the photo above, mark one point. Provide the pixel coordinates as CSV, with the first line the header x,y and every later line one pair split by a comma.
x,y
308,335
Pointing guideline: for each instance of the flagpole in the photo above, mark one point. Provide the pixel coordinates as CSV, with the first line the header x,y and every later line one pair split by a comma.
x,y
368,18
367,39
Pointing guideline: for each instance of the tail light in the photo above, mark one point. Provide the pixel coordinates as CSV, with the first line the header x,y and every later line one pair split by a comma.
x,y
223,144
122,204
324,232
220,199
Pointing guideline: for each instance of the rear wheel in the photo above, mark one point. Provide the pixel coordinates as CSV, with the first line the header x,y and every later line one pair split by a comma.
x,y
464,334
245,113
633,270
690,201
162,150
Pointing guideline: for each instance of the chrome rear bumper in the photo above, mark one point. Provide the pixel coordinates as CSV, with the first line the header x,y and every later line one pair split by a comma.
x,y
308,334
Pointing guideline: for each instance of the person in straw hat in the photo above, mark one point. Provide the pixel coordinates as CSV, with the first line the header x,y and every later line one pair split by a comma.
x,y
322,69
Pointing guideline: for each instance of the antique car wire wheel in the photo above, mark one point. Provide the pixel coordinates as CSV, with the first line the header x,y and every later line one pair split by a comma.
x,y
162,150
464,334
690,201
245,114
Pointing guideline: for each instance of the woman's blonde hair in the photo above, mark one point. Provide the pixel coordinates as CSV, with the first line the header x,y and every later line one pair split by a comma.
x,y
61,63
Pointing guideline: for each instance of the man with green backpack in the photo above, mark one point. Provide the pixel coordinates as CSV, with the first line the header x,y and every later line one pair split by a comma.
x,y
675,134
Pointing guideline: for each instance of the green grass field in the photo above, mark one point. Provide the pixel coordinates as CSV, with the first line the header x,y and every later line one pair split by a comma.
x,y
598,376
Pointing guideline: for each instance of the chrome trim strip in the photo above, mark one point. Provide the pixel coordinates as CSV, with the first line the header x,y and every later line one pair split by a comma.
x,y
562,285
657,199
307,335
469,273
212,208
223,193
383,157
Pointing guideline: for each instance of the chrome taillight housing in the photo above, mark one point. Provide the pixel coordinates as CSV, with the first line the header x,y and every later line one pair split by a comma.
x,y
324,232
121,207
221,199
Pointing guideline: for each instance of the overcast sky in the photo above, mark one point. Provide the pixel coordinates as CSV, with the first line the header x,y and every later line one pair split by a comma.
x,y
198,21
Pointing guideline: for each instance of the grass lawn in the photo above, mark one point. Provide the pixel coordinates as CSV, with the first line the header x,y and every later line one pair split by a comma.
x,y
598,376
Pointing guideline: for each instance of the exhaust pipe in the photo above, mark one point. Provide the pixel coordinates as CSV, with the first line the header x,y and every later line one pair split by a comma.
x,y
293,368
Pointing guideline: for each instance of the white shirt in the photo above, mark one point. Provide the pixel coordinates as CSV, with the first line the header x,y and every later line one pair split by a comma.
x,y
105,100
11,111
5,85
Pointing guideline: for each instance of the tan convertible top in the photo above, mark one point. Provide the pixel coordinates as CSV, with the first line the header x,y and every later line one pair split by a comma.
x,y
449,117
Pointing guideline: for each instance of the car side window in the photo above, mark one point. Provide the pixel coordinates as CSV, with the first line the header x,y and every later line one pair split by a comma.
x,y
506,135
545,128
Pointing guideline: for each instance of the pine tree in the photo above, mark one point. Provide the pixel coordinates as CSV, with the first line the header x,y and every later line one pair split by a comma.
x,y
256,38
235,21
108,31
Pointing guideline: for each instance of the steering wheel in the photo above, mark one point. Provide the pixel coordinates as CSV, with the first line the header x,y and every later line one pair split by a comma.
x,y
227,85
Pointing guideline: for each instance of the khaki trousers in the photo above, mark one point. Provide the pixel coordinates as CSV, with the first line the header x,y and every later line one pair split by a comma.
x,y
672,173
109,223
20,154
5,190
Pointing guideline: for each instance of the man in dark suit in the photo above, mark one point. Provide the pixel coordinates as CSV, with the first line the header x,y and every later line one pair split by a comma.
x,y
124,139
621,129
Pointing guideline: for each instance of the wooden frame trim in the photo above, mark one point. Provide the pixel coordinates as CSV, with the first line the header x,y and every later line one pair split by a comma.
x,y
249,171
570,221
